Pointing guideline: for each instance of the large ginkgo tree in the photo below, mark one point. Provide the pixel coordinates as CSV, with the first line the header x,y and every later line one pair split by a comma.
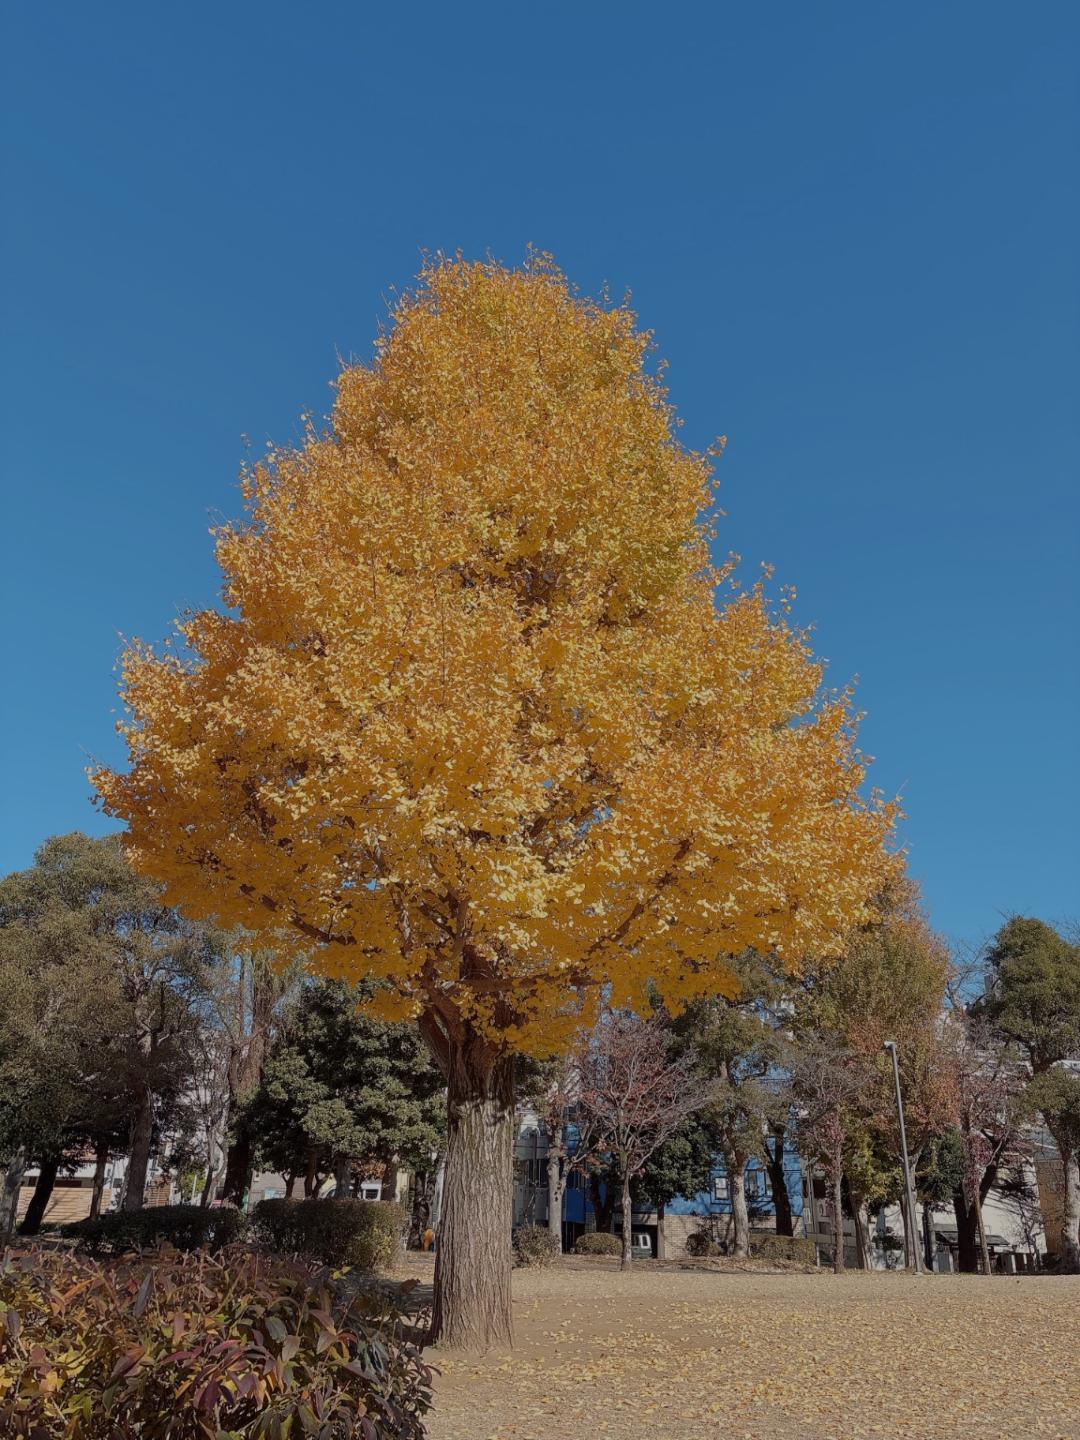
x,y
482,720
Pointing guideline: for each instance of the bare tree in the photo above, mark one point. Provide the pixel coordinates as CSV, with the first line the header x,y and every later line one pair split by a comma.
x,y
988,1079
633,1095
827,1079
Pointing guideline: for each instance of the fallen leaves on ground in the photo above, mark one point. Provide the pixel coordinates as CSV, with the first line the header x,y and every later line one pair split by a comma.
x,y
674,1354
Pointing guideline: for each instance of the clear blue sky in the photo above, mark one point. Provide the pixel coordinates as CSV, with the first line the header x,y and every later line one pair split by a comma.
x,y
853,228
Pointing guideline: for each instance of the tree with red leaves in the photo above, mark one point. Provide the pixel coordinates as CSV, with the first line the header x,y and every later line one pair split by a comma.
x,y
635,1094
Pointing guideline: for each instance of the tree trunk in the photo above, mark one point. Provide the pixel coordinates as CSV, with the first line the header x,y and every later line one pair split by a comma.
x,y
390,1179
603,1206
858,1216
208,1183
1070,1205
739,1215
239,1168
290,1184
555,1196
838,1217
1070,1229
774,1164
142,1131
627,1222
311,1174
9,1199
983,1250
910,1237
101,1160
343,1177
245,1073
965,1234
35,1211
929,1240
471,1309
423,1198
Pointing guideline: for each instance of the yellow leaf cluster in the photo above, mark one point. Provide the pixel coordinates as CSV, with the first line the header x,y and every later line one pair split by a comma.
x,y
481,718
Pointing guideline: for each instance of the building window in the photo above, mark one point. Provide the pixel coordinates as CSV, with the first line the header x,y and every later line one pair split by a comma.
x,y
757,1184
371,1190
533,1173
720,1187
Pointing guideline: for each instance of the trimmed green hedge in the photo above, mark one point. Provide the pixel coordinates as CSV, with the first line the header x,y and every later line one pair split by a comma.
x,y
185,1227
362,1233
598,1242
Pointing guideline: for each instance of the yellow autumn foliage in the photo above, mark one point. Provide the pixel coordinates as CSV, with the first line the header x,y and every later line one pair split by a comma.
x,y
482,719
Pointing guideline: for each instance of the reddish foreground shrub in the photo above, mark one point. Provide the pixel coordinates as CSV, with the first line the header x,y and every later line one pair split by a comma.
x,y
198,1347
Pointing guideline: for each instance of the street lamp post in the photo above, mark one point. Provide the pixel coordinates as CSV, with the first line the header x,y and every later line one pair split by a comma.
x,y
911,1239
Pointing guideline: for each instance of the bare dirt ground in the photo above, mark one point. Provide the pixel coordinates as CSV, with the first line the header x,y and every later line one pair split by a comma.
x,y
670,1353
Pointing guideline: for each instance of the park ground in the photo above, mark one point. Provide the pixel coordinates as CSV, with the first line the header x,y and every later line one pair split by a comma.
x,y
670,1353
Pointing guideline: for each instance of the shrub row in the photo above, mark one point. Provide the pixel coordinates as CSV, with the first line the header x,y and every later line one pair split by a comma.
x,y
598,1242
535,1245
186,1346
767,1246
362,1233
764,1245
185,1227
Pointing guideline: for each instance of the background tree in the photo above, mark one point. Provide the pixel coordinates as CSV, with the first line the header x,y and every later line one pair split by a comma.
x,y
341,1088
475,723
681,1165
108,978
827,1081
739,1050
60,1018
889,984
634,1095
243,1008
1033,999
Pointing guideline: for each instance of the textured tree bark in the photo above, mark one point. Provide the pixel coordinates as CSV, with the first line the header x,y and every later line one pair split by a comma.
x,y
739,1215
423,1199
858,1215
838,1217
35,1211
929,1241
343,1177
9,1198
983,1250
239,1167
1070,1207
142,1130
965,1234
471,1309
627,1223
556,1183
245,1073
101,1159
774,1163
208,1186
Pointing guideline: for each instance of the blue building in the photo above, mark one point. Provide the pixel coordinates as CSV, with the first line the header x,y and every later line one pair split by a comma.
x,y
708,1210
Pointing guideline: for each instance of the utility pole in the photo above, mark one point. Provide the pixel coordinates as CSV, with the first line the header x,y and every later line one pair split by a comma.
x,y
911,1238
